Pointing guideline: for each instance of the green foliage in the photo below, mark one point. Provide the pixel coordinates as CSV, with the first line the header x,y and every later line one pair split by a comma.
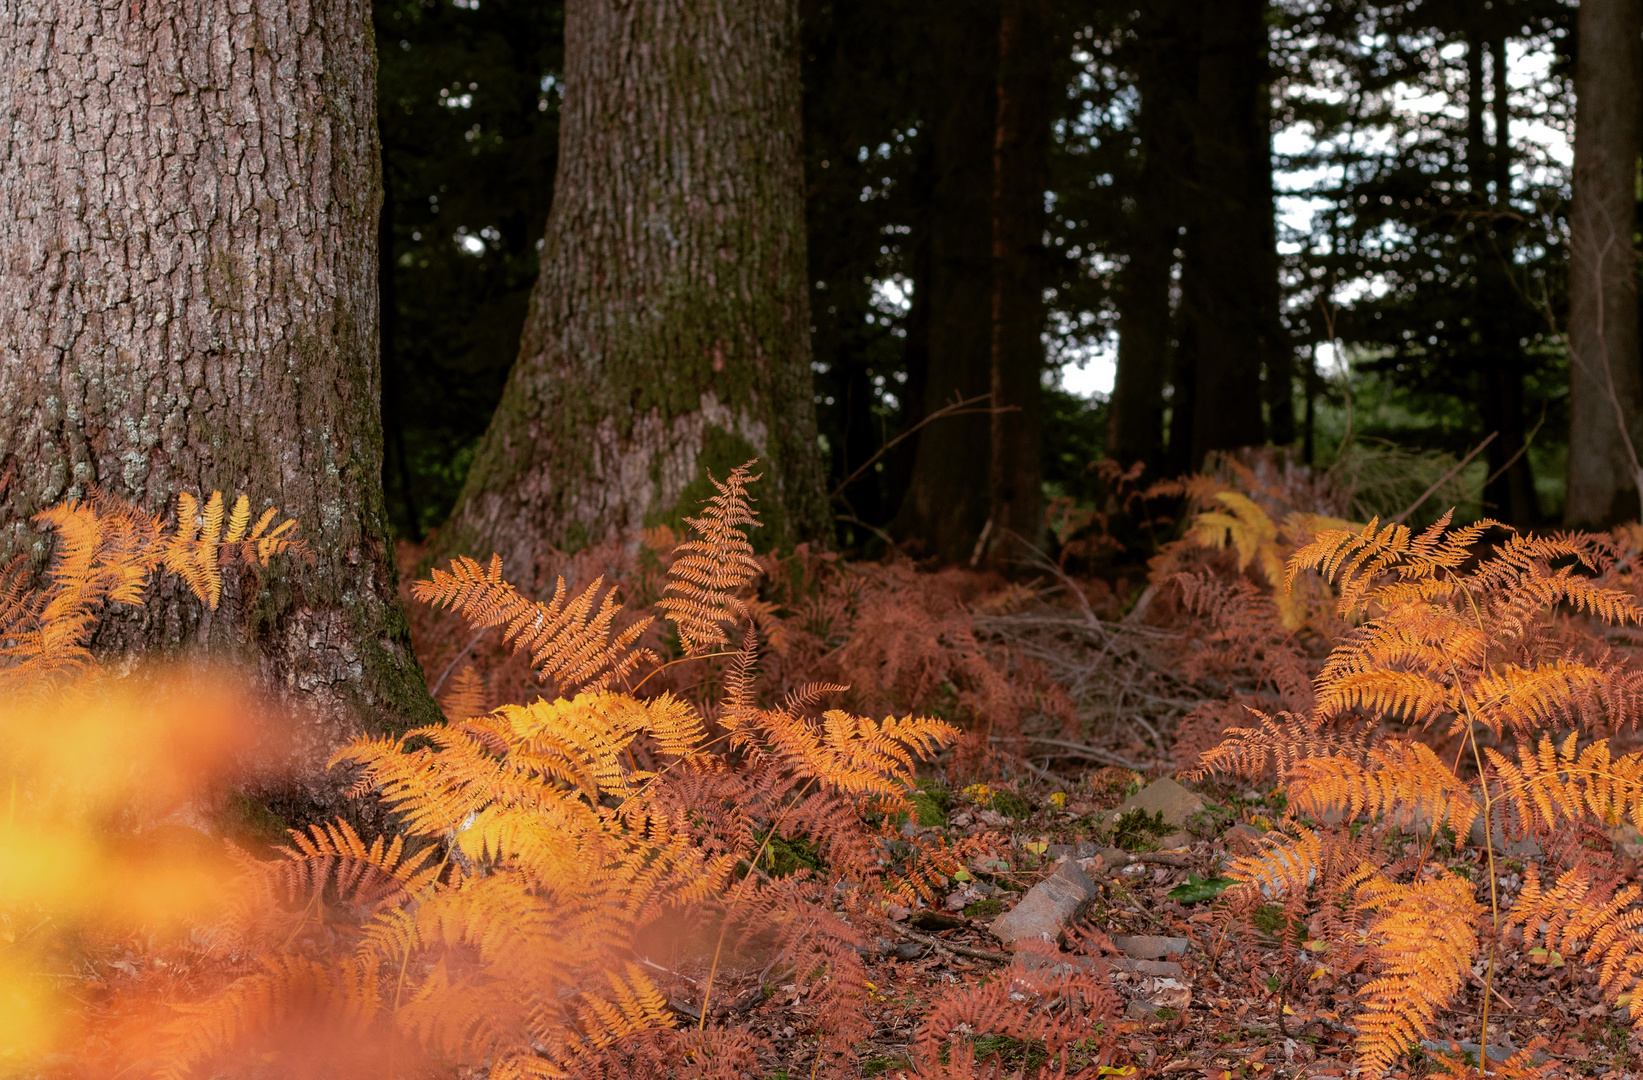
x,y
1011,805
1196,889
1136,830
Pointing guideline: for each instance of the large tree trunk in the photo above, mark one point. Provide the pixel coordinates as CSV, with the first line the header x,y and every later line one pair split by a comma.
x,y
1605,383
1167,73
948,500
669,333
1021,166
1222,279
188,302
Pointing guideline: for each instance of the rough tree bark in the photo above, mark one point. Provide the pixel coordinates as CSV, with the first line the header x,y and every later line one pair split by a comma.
x,y
1605,381
188,215
1167,73
1021,166
669,331
947,500
1223,291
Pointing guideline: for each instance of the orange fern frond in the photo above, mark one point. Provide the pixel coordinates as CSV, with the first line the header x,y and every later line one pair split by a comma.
x,y
1401,776
709,571
1424,942
467,696
568,640
1279,743
1550,781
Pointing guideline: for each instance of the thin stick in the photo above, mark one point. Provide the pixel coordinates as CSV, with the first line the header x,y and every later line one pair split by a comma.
x,y
433,691
1445,478
957,407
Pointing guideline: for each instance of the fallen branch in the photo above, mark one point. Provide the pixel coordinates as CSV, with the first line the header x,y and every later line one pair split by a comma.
x,y
948,946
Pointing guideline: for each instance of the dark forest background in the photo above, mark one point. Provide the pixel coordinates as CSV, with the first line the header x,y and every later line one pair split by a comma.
x,y
1416,308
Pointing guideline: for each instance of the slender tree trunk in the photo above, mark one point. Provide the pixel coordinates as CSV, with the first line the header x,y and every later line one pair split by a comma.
x,y
1225,294
1510,494
947,502
1605,384
669,333
188,302
1021,166
1167,73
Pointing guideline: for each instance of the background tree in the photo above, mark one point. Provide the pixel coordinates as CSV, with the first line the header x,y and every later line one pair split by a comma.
x,y
668,333
188,302
468,105
1605,365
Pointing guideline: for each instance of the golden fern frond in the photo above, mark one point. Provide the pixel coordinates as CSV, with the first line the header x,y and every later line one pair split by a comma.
x,y
467,695
1424,944
1525,700
1351,559
1551,781
1280,865
708,572
567,639
364,876
1279,742
1244,524
634,1006
1410,695
1401,776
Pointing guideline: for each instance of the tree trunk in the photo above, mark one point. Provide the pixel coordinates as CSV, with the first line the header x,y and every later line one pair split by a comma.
x,y
947,502
1167,73
1605,384
188,302
1021,166
669,333
1224,293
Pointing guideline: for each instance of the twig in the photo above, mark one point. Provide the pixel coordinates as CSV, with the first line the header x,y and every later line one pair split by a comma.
x,y
1444,479
1087,751
957,407
433,691
948,946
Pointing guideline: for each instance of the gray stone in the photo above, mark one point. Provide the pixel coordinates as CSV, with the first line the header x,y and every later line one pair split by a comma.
x,y
1081,850
1165,968
1043,914
1147,947
1496,1053
1165,796
1242,839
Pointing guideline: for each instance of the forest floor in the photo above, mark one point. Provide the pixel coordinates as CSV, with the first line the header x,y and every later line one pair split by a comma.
x,y
1214,1010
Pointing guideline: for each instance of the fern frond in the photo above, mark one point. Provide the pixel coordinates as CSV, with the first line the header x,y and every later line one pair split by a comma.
x,y
568,640
1279,743
707,573
1400,776
1424,944
466,697
634,1006
1280,865
1550,781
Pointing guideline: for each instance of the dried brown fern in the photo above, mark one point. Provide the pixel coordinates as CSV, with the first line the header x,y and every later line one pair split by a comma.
x,y
710,571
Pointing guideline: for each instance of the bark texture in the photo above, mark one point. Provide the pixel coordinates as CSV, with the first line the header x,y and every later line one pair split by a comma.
x,y
948,494
669,331
1605,379
188,213
1021,166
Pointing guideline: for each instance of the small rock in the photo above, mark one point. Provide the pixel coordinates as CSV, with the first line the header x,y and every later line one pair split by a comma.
x,y
1148,947
1081,850
1496,1053
907,950
1140,1010
1242,839
1176,804
962,819
1043,914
